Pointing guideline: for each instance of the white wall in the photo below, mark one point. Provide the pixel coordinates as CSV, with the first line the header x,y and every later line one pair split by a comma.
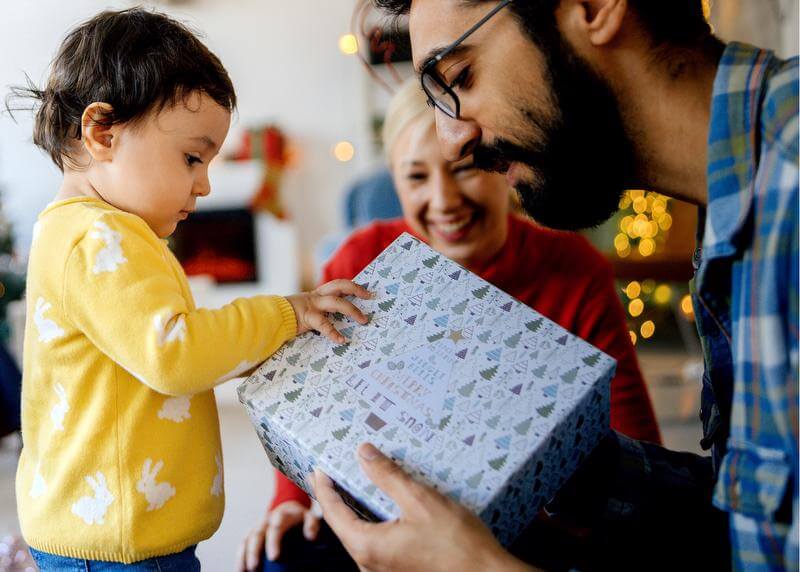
x,y
284,60
769,24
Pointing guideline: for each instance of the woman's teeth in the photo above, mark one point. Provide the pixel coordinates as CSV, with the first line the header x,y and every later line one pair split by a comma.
x,y
455,225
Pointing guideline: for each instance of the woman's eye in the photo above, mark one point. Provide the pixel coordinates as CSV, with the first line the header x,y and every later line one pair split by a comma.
x,y
417,177
191,160
461,79
465,171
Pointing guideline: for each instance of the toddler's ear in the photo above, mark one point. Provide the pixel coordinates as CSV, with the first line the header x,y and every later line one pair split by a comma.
x,y
98,130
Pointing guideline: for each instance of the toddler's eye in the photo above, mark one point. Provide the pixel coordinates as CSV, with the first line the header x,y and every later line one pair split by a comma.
x,y
191,160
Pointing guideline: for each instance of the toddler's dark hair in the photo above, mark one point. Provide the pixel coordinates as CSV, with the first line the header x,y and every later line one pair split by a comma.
x,y
135,60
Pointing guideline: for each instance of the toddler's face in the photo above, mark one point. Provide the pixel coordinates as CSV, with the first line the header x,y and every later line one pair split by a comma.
x,y
160,164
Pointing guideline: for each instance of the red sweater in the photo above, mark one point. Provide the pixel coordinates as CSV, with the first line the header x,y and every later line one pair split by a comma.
x,y
559,275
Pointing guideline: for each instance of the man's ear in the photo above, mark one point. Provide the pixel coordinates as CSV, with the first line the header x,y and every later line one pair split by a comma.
x,y
596,22
98,131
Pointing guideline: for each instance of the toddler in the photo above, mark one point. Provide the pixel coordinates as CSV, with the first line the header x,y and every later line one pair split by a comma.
x,y
121,460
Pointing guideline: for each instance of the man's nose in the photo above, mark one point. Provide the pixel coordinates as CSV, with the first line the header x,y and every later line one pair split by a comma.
x,y
457,137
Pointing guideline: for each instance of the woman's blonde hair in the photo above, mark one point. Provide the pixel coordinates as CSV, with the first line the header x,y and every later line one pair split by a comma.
x,y
408,106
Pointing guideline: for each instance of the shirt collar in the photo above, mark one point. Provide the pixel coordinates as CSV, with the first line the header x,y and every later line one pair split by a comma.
x,y
733,142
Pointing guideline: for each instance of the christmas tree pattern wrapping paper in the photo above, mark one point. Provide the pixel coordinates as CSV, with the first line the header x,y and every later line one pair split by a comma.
x,y
468,389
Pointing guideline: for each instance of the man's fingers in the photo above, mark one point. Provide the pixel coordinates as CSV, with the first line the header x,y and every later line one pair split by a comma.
x,y
361,539
344,522
391,479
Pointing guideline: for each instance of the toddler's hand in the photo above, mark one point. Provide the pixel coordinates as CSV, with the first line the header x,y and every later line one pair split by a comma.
x,y
311,308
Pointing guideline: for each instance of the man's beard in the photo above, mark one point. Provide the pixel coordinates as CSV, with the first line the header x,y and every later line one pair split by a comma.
x,y
581,160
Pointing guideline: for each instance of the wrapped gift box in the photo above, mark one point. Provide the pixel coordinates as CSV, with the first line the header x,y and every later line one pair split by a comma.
x,y
468,389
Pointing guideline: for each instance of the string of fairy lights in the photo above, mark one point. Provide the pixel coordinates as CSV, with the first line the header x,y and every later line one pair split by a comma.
x,y
645,228
642,231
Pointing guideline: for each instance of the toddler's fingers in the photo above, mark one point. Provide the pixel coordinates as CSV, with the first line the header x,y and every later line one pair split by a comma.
x,y
319,321
335,304
344,288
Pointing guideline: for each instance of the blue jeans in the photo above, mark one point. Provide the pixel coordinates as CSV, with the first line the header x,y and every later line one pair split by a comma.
x,y
185,561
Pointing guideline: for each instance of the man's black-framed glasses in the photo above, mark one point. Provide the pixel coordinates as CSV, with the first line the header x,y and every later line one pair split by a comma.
x,y
440,94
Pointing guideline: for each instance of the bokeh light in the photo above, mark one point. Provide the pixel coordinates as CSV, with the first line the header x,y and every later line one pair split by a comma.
x,y
686,306
348,44
636,307
663,294
647,247
633,290
344,151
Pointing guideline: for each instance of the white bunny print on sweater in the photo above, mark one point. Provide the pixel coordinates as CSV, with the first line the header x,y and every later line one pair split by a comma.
x,y
60,409
176,408
39,486
93,509
157,494
110,257
169,331
216,486
48,329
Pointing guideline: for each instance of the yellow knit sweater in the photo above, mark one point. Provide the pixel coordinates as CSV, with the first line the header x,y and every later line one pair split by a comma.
x,y
121,457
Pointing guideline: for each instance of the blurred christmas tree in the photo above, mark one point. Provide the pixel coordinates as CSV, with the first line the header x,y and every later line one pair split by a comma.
x,y
12,278
12,286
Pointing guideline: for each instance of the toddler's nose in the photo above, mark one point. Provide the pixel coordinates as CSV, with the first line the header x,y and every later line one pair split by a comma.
x,y
202,187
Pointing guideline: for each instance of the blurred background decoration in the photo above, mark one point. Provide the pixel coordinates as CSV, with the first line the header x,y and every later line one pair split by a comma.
x,y
268,146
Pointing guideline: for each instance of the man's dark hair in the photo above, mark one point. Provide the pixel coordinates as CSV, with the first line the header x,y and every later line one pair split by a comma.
x,y
681,23
138,61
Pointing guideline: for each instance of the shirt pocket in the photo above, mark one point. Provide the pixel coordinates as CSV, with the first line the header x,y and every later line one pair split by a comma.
x,y
752,480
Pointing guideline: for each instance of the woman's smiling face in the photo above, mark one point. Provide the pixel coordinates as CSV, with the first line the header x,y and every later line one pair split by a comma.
x,y
459,210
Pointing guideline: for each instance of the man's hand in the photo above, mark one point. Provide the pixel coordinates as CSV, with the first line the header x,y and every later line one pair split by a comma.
x,y
433,533
312,308
270,532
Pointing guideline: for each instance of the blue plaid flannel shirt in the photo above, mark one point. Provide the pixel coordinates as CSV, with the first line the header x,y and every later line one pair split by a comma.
x,y
746,304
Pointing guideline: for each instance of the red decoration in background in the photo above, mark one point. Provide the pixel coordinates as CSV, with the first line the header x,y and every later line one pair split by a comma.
x,y
222,268
268,145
